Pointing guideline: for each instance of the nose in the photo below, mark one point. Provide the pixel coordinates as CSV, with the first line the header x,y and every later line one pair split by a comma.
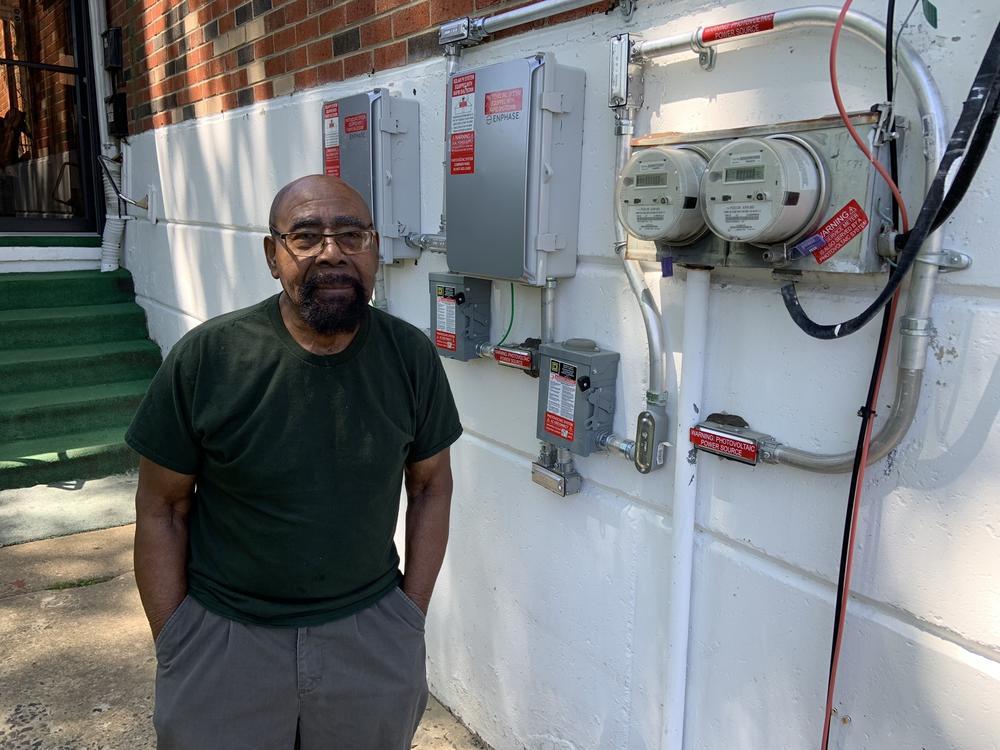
x,y
330,252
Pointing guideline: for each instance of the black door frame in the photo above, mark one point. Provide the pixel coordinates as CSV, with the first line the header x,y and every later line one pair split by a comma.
x,y
88,133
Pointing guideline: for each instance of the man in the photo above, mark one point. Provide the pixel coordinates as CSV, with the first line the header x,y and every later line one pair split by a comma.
x,y
274,442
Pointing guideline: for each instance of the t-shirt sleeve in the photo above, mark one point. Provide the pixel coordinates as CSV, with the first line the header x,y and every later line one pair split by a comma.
x,y
162,429
438,425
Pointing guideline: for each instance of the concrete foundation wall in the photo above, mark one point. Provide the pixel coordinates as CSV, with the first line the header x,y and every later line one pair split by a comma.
x,y
547,628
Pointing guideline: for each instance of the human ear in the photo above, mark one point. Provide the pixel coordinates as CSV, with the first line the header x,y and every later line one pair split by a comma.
x,y
269,249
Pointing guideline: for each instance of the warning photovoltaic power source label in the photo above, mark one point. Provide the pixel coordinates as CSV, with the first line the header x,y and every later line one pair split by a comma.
x,y
444,332
561,405
512,358
833,236
742,27
727,446
463,124
331,138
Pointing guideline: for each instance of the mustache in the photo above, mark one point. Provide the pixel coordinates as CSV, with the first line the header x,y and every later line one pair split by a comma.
x,y
323,279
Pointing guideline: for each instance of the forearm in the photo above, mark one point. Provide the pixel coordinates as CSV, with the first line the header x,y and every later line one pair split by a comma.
x,y
427,522
161,563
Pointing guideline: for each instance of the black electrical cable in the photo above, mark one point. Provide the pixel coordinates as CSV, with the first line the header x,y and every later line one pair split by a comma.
x,y
867,412
970,164
973,110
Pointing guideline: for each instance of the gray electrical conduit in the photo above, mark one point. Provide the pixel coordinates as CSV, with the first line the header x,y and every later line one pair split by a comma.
x,y
915,324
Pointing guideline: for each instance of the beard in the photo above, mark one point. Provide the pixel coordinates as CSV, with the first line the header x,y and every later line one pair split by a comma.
x,y
340,314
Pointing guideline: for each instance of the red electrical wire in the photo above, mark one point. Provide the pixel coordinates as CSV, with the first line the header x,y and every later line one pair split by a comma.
x,y
866,443
904,219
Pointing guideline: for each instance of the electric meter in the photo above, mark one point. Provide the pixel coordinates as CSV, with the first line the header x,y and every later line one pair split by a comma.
x,y
657,194
763,190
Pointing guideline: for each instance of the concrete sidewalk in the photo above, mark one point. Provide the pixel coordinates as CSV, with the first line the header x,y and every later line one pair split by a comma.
x,y
77,659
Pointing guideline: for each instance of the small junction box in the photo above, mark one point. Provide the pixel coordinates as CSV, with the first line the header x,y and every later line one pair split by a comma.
x,y
460,314
576,394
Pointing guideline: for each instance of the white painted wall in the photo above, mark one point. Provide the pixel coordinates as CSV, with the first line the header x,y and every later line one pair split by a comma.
x,y
547,626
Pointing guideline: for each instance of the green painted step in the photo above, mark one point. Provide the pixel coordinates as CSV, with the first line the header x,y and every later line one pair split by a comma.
x,y
24,416
67,326
24,291
85,455
25,370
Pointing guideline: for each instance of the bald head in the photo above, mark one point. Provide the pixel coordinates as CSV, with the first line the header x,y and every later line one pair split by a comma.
x,y
316,187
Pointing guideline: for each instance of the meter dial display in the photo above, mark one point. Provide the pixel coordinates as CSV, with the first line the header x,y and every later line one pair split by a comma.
x,y
657,194
762,190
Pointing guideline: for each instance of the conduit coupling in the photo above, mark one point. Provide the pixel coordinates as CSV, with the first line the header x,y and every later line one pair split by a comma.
x,y
435,243
915,324
617,446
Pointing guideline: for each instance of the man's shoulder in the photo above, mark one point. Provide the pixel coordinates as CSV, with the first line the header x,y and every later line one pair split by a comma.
x,y
213,331
405,335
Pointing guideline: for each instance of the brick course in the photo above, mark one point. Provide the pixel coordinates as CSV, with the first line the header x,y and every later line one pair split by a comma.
x,y
199,57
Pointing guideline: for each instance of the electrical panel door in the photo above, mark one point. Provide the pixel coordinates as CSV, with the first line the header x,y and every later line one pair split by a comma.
x,y
513,182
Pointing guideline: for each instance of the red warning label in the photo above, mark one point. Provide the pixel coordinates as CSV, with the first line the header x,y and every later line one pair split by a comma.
x,y
445,340
463,153
559,426
729,446
741,27
508,100
512,358
843,226
463,84
356,123
331,138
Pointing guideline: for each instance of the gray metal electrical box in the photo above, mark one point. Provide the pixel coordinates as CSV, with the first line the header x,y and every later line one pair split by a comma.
x,y
576,394
460,314
513,182
372,142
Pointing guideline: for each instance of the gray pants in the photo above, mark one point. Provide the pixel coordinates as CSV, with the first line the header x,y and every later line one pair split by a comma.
x,y
358,683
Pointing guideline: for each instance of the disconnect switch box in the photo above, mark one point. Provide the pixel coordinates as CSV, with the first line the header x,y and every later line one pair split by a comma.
x,y
460,314
576,394
372,142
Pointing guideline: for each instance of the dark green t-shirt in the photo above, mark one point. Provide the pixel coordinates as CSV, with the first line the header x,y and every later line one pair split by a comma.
x,y
299,459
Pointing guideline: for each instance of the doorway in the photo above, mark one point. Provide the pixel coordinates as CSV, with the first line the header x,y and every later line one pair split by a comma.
x,y
49,179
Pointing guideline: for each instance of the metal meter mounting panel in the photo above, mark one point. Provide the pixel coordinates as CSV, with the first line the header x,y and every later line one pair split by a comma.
x,y
513,181
850,199
372,142
576,394
460,314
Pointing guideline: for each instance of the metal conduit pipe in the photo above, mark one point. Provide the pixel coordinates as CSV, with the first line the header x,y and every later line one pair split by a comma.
x,y
548,332
526,14
452,53
657,386
915,324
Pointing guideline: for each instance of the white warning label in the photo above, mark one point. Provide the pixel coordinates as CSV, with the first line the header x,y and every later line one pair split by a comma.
x,y
444,334
331,125
463,103
560,407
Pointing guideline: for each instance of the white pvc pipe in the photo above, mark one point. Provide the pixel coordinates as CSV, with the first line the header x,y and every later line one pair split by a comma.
x,y
689,400
114,226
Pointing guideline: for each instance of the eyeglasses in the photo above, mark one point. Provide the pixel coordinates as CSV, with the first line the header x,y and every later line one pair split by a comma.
x,y
351,241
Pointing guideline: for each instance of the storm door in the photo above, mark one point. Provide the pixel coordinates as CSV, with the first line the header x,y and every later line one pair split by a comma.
x,y
48,177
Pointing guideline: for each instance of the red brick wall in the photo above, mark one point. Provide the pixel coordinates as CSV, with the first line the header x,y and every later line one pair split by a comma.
x,y
197,57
